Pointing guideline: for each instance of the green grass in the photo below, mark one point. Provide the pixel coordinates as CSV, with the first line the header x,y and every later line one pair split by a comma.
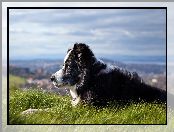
x,y
61,112
15,82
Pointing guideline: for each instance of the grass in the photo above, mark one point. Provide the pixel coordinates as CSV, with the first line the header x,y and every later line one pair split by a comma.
x,y
61,112
15,83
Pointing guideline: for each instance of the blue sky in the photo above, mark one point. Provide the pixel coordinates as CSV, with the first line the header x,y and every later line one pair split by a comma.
x,y
113,33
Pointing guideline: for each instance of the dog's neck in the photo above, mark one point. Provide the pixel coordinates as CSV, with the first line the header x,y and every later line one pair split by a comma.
x,y
75,97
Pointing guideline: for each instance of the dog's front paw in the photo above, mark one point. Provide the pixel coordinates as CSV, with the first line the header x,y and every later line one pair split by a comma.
x,y
75,101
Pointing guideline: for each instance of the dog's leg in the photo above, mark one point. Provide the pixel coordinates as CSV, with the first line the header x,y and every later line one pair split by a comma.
x,y
75,101
75,97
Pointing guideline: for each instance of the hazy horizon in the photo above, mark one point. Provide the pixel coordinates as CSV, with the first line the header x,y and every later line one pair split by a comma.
x,y
123,59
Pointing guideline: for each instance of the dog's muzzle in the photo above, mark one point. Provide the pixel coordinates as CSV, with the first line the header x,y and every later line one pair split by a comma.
x,y
52,78
57,78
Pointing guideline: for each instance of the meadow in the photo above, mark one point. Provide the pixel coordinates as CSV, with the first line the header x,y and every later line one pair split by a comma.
x,y
60,111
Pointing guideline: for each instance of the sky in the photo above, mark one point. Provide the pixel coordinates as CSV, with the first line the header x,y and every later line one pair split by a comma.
x,y
117,34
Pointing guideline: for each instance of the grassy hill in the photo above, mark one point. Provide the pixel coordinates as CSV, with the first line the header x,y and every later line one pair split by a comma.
x,y
60,110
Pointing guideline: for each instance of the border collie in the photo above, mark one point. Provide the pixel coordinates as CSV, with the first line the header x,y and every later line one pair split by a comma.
x,y
92,81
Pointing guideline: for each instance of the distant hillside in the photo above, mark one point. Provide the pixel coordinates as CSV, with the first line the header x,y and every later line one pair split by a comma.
x,y
22,71
51,66
140,68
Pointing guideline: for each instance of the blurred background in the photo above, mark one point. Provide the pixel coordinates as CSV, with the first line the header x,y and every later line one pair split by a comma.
x,y
134,39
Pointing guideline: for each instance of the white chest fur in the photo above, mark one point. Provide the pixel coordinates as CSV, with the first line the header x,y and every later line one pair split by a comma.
x,y
76,98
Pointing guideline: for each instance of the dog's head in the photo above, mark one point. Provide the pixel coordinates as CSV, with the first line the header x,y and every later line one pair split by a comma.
x,y
77,59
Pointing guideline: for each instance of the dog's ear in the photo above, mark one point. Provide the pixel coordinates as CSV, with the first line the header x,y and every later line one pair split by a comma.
x,y
78,47
85,57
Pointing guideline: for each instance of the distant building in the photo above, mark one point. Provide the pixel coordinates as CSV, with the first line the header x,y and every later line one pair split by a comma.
x,y
154,80
30,80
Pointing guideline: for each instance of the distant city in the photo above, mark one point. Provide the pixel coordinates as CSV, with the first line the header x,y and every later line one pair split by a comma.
x,y
37,72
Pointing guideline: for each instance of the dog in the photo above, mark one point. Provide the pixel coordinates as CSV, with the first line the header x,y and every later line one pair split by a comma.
x,y
92,81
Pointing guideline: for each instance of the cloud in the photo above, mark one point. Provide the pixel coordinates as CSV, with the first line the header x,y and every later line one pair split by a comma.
x,y
108,32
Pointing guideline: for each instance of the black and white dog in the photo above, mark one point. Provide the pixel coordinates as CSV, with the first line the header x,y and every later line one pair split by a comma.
x,y
90,80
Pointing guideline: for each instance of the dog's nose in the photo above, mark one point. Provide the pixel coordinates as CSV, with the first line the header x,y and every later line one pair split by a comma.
x,y
52,78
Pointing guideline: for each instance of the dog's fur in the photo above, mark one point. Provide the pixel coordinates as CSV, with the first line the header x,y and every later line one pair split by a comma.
x,y
90,80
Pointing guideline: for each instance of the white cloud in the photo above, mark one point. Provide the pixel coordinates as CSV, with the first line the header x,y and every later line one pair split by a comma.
x,y
29,30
